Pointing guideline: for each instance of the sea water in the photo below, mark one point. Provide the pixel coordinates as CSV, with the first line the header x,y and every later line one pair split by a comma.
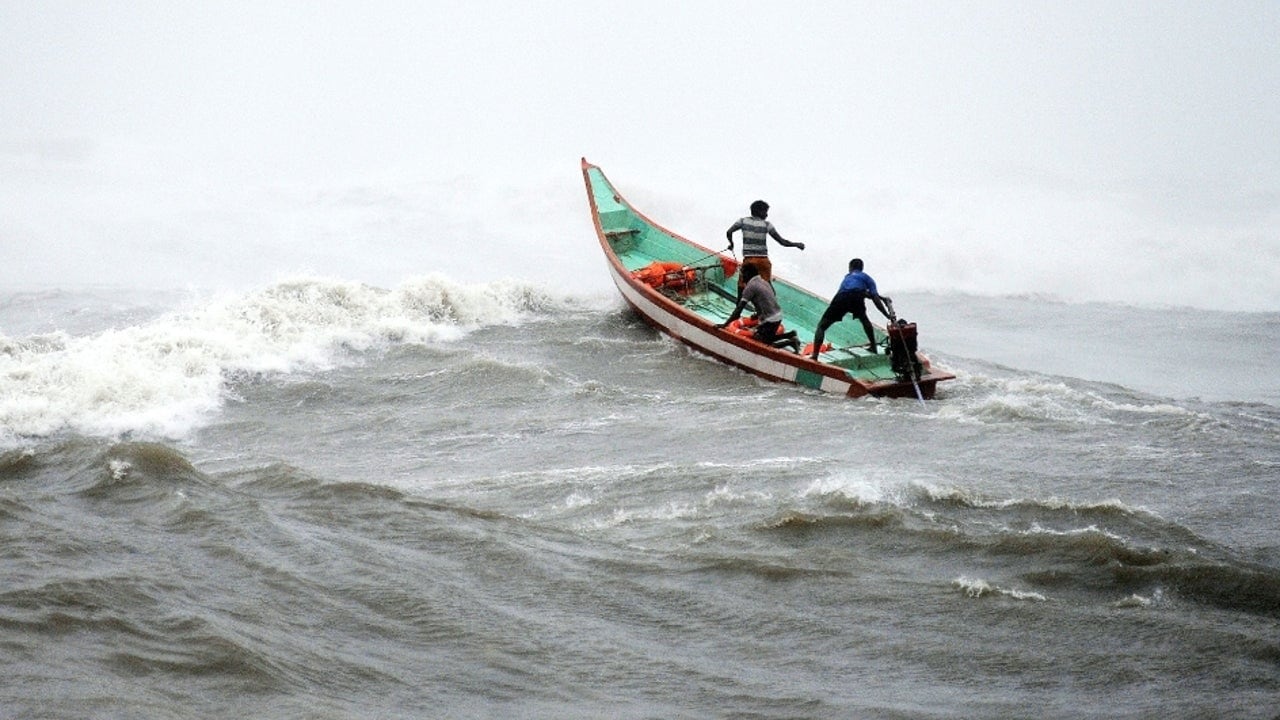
x,y
326,499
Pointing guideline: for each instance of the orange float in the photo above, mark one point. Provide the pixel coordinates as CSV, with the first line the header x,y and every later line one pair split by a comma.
x,y
662,274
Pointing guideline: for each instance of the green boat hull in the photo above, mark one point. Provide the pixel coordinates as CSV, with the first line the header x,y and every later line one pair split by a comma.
x,y
685,290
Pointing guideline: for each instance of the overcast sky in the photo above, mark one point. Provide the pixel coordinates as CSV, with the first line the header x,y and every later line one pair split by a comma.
x,y
162,129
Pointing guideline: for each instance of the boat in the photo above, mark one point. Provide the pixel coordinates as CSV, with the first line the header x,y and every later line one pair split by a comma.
x,y
686,291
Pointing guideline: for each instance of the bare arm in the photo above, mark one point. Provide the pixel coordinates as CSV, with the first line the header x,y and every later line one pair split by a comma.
x,y
878,300
729,233
748,297
737,312
773,233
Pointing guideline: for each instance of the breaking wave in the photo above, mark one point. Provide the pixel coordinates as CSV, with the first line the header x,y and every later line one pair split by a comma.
x,y
981,588
166,375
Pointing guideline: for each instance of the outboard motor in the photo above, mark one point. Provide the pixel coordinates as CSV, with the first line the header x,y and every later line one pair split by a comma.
x,y
902,350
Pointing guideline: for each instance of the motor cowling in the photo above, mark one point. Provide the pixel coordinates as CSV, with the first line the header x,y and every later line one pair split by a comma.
x,y
902,350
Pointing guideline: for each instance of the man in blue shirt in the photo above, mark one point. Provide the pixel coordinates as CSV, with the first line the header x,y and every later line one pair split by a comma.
x,y
852,296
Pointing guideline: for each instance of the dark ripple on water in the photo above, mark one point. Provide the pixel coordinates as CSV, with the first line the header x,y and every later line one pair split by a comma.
x,y
590,542
157,573
1101,552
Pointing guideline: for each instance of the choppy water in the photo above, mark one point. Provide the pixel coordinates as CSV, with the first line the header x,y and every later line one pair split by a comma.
x,y
326,500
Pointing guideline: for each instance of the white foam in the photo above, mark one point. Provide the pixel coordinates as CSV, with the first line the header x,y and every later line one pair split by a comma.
x,y
166,376
975,500
1133,601
858,491
977,588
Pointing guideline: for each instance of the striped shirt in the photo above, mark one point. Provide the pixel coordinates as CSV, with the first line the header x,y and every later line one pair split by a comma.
x,y
755,236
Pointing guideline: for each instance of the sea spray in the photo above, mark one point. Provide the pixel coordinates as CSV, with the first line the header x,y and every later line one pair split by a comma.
x,y
167,375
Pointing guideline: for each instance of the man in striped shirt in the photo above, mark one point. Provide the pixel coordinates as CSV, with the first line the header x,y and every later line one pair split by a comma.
x,y
756,231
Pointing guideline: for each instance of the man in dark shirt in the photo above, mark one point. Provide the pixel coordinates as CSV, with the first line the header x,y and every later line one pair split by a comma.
x,y
760,294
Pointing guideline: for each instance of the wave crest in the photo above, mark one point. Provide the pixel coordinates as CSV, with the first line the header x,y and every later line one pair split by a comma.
x,y
981,588
165,376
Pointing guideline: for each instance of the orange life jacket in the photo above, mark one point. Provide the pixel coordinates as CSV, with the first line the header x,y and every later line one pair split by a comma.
x,y
663,274
745,326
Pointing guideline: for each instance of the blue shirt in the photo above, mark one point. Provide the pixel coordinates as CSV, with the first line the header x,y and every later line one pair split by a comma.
x,y
859,281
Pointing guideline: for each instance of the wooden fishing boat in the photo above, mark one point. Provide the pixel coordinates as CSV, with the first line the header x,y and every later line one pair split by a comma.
x,y
686,290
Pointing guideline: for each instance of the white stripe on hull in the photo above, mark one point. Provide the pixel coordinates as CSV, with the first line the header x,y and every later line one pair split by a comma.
x,y
712,343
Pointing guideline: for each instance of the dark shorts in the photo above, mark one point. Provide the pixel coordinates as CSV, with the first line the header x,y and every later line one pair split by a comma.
x,y
767,332
849,301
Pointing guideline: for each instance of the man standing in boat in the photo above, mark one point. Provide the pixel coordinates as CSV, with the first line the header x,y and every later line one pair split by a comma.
x,y
756,231
851,298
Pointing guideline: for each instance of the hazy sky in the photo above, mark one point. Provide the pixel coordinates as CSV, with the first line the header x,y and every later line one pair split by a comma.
x,y
1003,144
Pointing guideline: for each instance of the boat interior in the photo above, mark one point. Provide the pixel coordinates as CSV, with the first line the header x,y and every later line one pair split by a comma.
x,y
707,284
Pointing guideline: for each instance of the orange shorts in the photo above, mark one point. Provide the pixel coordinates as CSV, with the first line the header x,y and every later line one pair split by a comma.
x,y
761,263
